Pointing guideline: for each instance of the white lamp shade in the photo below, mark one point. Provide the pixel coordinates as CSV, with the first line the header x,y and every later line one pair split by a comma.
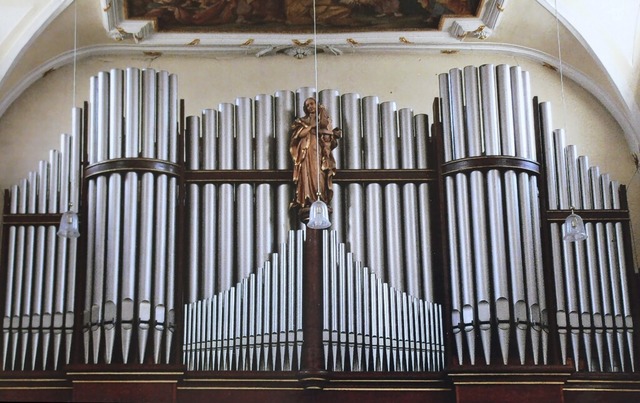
x,y
574,230
69,225
318,215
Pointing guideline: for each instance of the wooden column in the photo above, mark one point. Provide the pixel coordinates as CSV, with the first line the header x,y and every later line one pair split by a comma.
x,y
312,374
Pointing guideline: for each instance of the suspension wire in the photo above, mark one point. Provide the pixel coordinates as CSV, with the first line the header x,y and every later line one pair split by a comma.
x,y
315,69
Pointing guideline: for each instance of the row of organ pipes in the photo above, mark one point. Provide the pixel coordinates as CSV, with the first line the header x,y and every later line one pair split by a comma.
x,y
240,236
487,112
484,113
376,136
592,289
367,324
38,321
131,220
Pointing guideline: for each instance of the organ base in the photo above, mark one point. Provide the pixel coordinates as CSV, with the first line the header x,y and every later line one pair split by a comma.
x,y
174,384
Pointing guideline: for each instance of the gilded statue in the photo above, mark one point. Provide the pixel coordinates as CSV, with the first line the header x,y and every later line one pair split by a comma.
x,y
313,163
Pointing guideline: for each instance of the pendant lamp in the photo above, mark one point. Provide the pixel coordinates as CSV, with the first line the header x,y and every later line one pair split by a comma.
x,y
574,230
319,212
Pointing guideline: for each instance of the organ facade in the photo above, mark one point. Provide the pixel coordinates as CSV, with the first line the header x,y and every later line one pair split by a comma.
x,y
445,269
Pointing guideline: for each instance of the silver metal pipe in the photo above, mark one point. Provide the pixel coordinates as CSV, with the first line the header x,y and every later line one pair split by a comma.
x,y
283,116
101,154
393,245
245,214
456,297
376,309
259,318
530,125
624,285
426,338
22,193
550,160
592,262
539,314
508,143
253,303
409,202
614,272
503,82
147,193
514,240
479,224
113,252
238,327
39,263
406,336
359,286
220,323
74,202
162,213
266,338
342,305
282,304
334,282
367,320
542,326
193,163
522,142
489,103
575,199
462,210
224,320
350,313
61,258
244,326
293,278
160,262
265,148
299,296
326,292
385,322
605,280
568,249
209,212
132,112
172,220
375,256
186,336
130,216
226,256
519,113
275,307
331,100
29,259
395,363
491,136
421,124
531,267
351,126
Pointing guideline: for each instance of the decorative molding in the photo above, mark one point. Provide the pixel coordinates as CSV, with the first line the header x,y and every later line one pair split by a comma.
x,y
451,29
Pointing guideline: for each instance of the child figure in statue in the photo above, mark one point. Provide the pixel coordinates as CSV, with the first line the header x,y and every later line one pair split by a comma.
x,y
313,162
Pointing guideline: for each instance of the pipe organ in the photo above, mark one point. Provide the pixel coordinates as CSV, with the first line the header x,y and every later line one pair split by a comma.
x,y
446,250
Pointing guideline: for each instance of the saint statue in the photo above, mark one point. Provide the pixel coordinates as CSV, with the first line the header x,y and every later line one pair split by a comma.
x,y
313,162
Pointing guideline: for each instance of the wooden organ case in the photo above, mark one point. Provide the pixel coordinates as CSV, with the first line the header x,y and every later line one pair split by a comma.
x,y
444,277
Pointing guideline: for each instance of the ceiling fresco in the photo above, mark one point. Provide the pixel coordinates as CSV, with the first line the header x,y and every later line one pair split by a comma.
x,y
281,16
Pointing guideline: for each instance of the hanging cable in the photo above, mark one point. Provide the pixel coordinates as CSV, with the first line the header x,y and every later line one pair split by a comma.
x,y
318,213
315,69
